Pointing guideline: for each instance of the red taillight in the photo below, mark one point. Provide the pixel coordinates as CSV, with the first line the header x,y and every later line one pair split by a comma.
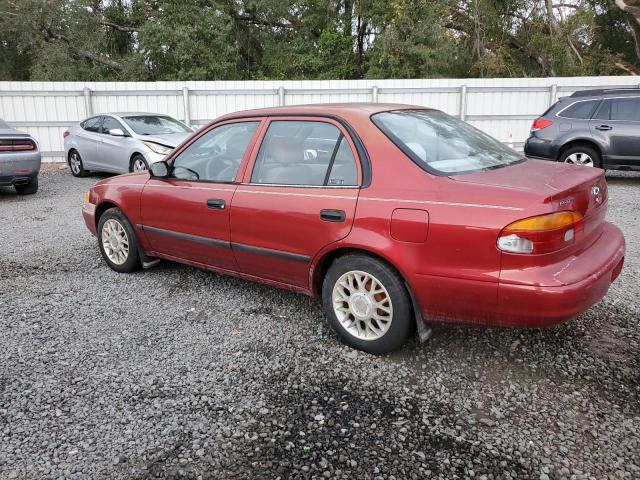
x,y
14,145
66,134
540,123
541,234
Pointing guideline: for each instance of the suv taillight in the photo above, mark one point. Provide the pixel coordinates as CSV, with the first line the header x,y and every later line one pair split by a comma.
x,y
66,134
541,234
540,123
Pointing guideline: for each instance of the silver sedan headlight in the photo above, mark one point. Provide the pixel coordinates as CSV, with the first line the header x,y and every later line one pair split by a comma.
x,y
157,148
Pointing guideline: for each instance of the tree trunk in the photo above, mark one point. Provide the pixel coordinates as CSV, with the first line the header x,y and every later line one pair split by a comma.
x,y
631,8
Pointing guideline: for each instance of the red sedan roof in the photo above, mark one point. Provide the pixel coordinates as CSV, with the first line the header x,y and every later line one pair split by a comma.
x,y
339,109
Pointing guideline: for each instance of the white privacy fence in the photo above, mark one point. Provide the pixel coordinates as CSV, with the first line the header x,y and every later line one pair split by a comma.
x,y
503,108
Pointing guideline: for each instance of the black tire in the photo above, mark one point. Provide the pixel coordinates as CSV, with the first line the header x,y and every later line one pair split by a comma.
x,y
77,170
134,159
28,188
584,150
401,324
131,262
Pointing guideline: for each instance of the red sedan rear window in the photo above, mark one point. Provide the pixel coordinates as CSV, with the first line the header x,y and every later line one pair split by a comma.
x,y
442,144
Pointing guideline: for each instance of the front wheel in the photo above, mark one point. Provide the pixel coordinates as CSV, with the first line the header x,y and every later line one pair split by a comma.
x,y
27,188
366,303
138,164
581,155
117,241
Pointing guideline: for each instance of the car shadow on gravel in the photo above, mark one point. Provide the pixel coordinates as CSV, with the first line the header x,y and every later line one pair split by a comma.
x,y
328,426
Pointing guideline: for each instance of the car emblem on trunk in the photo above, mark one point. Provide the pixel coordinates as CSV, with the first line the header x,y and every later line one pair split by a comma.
x,y
595,191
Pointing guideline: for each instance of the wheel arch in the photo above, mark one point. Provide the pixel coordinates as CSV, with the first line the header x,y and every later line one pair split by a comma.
x,y
322,264
579,141
103,207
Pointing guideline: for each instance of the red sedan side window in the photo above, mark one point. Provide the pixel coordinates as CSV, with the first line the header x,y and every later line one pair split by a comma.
x,y
307,153
216,155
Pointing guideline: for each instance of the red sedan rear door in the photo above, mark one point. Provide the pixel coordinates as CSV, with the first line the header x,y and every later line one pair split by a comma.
x,y
299,194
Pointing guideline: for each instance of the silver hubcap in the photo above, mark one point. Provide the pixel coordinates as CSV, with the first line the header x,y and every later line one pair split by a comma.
x,y
580,158
362,305
139,165
115,241
74,162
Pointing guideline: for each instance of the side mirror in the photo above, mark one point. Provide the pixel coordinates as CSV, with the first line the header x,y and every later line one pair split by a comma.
x,y
116,132
159,169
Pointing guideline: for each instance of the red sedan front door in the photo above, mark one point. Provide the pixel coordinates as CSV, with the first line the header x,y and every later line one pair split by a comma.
x,y
186,216
299,194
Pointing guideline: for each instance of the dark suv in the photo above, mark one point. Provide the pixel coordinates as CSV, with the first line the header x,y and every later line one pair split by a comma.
x,y
596,128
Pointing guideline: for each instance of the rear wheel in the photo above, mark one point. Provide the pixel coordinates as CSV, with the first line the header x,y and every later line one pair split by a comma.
x,y
138,164
366,303
27,188
581,155
117,241
76,165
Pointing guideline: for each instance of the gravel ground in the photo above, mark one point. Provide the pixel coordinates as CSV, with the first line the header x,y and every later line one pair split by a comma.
x,y
176,372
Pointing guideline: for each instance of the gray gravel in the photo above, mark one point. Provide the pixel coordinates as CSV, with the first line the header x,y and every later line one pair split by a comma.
x,y
181,373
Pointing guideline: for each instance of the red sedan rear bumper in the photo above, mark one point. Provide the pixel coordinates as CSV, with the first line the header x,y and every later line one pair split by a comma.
x,y
535,306
529,302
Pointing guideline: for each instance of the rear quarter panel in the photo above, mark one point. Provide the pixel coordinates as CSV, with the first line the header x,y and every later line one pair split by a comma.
x,y
454,274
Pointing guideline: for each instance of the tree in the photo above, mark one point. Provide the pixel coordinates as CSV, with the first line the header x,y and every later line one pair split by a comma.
x,y
306,39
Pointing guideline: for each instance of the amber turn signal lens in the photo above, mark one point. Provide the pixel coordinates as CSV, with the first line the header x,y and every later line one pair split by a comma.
x,y
543,223
87,197
541,234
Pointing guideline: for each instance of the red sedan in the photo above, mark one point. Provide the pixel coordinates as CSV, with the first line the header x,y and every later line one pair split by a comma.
x,y
395,215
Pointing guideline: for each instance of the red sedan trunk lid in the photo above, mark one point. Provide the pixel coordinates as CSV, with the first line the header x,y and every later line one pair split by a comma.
x,y
573,188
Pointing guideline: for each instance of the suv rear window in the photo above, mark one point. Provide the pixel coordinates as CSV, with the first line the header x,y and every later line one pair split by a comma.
x,y
442,144
580,110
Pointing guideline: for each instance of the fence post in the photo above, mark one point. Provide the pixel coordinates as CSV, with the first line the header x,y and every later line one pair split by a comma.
x,y
374,94
185,105
88,106
463,102
553,94
281,96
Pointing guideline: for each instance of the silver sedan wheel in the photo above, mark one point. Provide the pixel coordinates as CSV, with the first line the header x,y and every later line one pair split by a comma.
x,y
75,163
362,305
579,158
115,241
139,165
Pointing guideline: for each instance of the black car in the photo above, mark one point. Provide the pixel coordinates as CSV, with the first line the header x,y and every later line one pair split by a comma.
x,y
596,128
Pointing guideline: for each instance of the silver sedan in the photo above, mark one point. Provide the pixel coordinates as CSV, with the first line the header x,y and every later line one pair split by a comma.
x,y
19,160
121,142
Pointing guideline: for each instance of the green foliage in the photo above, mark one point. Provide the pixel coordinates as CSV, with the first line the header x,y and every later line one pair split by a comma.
x,y
189,40
313,39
